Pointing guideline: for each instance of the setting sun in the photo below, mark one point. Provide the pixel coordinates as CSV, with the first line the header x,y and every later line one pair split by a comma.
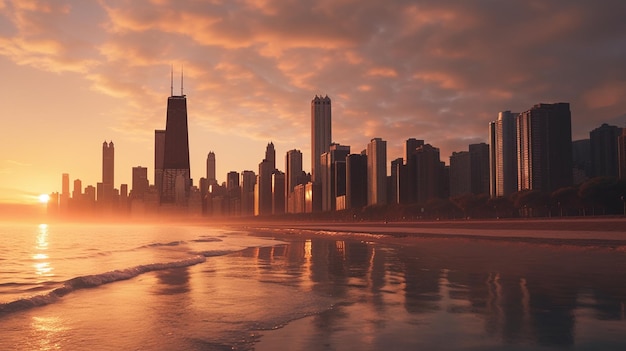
x,y
44,198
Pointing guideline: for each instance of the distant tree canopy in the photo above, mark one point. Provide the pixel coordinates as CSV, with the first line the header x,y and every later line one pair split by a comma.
x,y
597,196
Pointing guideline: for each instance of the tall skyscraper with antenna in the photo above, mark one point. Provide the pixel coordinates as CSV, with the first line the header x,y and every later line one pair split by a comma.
x,y
175,177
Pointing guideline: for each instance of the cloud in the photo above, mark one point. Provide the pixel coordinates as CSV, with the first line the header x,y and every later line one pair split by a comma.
x,y
433,70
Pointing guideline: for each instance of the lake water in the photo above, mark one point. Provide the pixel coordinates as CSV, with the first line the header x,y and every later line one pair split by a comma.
x,y
140,287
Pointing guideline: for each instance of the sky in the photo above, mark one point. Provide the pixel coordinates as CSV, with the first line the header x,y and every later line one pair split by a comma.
x,y
77,73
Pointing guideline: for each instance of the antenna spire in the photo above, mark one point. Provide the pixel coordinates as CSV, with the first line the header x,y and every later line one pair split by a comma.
x,y
172,80
181,81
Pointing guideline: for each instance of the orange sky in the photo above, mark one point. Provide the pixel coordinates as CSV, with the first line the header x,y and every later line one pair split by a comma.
x,y
76,73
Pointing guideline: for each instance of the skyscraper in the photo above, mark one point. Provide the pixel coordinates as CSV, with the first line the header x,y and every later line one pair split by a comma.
x,y
293,175
621,154
328,181
429,173
603,147
321,136
460,173
377,172
278,192
108,171
77,192
65,190
479,168
356,181
410,193
270,155
140,182
264,188
176,179
248,182
210,169
503,155
159,152
544,147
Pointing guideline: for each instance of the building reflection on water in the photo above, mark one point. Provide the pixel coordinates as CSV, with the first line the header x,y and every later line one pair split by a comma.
x,y
520,293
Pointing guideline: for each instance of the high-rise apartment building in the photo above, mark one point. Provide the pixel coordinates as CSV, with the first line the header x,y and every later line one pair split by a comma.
x,y
327,179
581,157
270,155
106,190
621,154
278,192
176,179
503,155
77,191
293,177
321,136
460,173
159,152
248,182
263,199
377,172
140,182
210,169
356,181
603,148
409,195
429,173
544,147
479,167
65,191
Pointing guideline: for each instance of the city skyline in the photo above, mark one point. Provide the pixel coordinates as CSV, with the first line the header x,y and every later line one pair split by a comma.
x,y
394,71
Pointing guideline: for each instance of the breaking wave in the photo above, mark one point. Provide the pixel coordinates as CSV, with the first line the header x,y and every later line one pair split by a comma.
x,y
92,281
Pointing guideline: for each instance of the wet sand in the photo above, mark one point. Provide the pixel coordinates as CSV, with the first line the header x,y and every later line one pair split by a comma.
x,y
592,232
552,259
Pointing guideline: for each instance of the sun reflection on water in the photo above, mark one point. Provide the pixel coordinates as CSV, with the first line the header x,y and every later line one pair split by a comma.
x,y
41,265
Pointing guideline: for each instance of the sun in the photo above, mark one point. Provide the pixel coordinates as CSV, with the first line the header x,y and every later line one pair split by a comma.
x,y
44,198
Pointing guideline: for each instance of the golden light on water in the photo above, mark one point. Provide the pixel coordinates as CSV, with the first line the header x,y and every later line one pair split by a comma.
x,y
42,265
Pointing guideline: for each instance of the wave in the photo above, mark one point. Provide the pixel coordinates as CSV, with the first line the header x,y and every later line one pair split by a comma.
x,y
212,253
92,281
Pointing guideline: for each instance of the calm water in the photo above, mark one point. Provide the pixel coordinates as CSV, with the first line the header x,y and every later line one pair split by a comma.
x,y
194,288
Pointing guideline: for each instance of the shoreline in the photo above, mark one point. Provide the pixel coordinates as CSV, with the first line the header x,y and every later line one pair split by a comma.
x,y
603,232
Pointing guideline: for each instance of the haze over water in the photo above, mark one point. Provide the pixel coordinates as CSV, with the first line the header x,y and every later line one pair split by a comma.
x,y
220,289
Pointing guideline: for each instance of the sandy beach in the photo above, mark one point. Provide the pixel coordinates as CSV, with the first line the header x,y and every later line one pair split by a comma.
x,y
580,231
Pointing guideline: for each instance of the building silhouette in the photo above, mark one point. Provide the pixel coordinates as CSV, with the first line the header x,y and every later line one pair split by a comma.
x,y
429,173
321,133
139,182
106,192
581,158
263,191
356,181
377,172
278,192
328,174
210,169
544,147
248,182
460,173
410,148
270,155
159,153
479,168
397,182
603,149
175,178
293,177
621,154
503,155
